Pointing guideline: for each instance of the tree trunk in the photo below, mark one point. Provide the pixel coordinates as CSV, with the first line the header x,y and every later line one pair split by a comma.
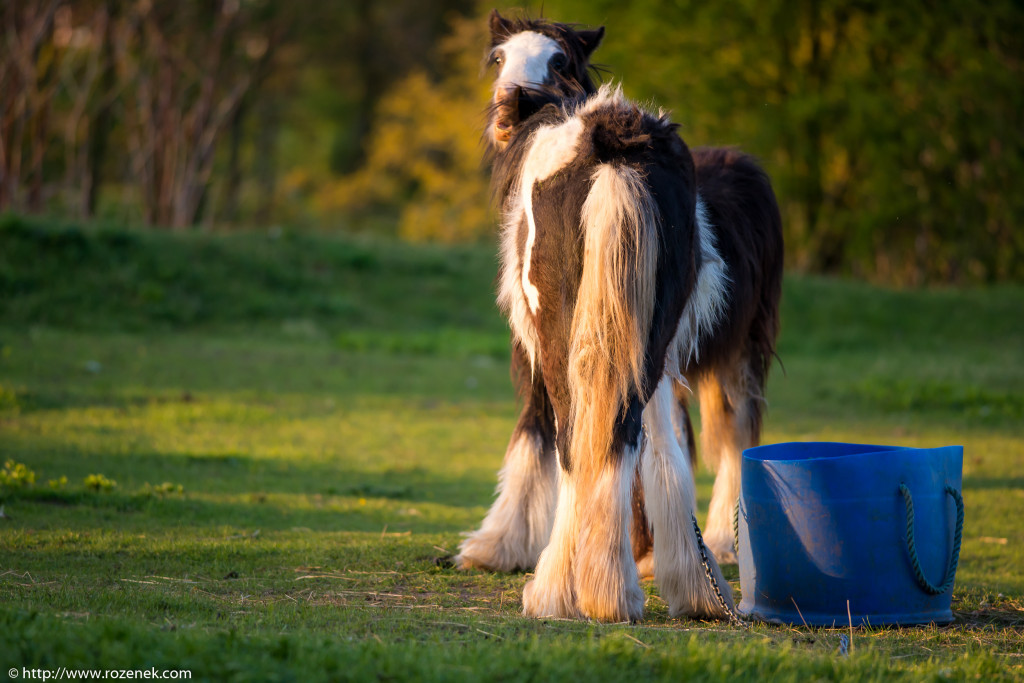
x,y
266,160
99,130
234,174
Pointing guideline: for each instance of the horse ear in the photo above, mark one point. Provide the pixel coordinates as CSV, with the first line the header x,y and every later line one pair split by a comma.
x,y
501,27
591,39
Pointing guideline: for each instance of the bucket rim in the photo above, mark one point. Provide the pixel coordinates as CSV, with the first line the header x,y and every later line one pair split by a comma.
x,y
829,450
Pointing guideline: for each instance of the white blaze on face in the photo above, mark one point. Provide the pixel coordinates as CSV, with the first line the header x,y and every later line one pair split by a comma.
x,y
524,59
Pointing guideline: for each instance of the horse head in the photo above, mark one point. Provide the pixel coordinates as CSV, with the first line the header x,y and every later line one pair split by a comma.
x,y
537,62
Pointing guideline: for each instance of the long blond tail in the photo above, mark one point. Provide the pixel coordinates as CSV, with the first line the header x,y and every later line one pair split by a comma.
x,y
614,307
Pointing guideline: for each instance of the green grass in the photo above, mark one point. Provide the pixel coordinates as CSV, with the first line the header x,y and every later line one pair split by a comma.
x,y
298,426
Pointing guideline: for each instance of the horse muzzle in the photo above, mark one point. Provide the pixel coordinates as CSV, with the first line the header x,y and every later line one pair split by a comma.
x,y
506,111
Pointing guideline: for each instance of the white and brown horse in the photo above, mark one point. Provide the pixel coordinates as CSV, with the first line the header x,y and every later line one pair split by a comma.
x,y
629,266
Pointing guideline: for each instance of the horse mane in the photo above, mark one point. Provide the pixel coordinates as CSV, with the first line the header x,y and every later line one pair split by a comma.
x,y
617,130
506,165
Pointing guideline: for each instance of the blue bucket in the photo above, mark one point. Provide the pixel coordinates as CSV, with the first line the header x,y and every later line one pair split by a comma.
x,y
821,524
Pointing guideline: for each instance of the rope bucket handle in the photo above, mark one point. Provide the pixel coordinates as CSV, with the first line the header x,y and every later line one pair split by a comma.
x,y
922,581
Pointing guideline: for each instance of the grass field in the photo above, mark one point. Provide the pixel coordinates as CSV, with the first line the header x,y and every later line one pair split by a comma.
x,y
248,451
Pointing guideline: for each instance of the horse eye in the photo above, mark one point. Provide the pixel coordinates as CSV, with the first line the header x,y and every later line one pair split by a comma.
x,y
558,62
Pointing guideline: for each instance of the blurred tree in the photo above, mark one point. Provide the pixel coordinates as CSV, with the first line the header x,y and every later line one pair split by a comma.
x,y
28,67
424,148
892,130
314,109
88,81
185,68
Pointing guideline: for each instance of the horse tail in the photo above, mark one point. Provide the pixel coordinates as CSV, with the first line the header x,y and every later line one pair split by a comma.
x,y
614,306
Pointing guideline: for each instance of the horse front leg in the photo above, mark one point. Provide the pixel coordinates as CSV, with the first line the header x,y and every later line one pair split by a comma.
x,y
518,525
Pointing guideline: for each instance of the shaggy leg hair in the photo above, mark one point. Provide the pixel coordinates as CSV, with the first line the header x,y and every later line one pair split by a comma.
x,y
643,541
551,592
518,525
640,532
606,580
588,569
670,498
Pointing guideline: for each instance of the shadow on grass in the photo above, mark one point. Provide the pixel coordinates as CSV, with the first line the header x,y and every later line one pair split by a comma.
x,y
270,493
146,512
987,618
58,369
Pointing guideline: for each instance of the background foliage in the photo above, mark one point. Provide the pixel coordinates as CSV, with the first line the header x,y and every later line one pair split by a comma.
x,y
892,130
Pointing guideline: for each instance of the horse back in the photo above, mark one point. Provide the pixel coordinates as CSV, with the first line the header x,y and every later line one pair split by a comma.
x,y
744,213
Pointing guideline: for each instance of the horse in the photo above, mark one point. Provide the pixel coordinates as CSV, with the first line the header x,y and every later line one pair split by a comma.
x,y
631,268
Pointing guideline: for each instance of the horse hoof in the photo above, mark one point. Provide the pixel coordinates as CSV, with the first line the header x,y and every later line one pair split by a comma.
x,y
538,602
492,553
614,609
690,595
464,562
645,566
722,547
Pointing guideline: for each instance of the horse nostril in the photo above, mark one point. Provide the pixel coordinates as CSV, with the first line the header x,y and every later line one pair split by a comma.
x,y
507,95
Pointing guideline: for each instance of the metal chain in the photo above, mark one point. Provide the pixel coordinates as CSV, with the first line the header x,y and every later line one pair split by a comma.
x,y
736,528
954,559
734,617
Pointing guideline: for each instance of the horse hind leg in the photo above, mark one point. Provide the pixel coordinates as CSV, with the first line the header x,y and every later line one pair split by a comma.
x,y
681,424
640,534
731,404
670,498
550,593
605,575
518,525
643,541
588,569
